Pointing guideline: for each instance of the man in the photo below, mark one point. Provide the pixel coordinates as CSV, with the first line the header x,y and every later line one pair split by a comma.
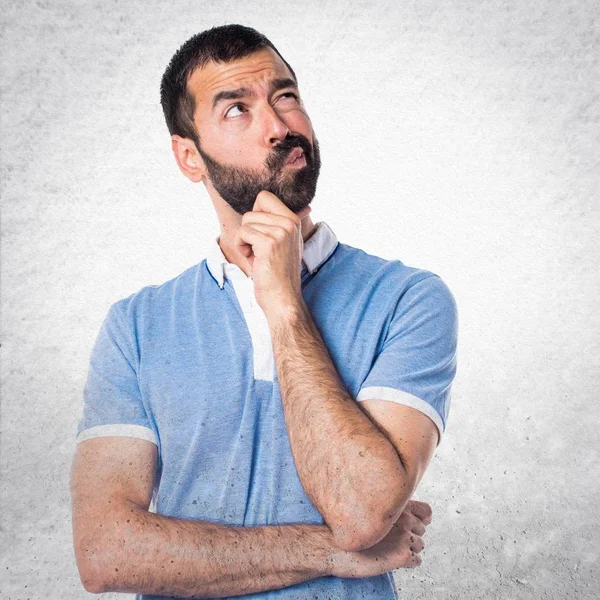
x,y
278,403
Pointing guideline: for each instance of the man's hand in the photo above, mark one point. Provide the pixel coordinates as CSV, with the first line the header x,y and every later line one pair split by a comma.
x,y
270,238
399,549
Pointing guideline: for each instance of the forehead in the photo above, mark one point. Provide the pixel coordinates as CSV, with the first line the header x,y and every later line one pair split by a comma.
x,y
255,70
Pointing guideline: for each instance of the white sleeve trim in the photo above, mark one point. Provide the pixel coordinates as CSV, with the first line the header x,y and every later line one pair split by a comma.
x,y
401,397
120,430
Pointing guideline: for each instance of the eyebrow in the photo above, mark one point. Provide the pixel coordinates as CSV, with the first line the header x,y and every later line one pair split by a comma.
x,y
276,84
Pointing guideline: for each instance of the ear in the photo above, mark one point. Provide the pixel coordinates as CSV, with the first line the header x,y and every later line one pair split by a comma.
x,y
188,158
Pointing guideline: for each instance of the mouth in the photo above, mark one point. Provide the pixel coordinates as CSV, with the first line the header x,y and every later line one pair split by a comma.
x,y
296,158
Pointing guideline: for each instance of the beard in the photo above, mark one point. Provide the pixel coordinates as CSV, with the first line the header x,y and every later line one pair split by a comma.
x,y
295,187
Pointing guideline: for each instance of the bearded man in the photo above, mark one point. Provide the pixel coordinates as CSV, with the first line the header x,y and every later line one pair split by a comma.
x,y
258,424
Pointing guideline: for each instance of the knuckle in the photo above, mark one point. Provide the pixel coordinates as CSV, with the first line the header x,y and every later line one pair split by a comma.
x,y
415,523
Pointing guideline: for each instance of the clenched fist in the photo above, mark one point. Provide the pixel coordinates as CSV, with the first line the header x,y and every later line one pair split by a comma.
x,y
270,237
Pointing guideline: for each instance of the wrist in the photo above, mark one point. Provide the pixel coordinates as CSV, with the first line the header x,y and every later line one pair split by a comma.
x,y
286,313
322,550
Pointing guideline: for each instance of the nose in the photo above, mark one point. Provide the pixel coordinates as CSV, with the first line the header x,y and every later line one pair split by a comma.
x,y
275,130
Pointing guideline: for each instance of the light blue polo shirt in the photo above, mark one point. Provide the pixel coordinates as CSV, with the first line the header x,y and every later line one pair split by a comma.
x,y
188,365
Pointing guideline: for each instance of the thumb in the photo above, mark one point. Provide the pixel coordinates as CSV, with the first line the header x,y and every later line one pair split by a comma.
x,y
421,510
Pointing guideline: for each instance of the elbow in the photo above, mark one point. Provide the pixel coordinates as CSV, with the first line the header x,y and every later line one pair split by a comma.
x,y
92,586
90,557
90,577
96,552
355,537
366,530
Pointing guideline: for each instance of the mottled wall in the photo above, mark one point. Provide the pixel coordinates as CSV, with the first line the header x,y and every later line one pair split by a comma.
x,y
461,137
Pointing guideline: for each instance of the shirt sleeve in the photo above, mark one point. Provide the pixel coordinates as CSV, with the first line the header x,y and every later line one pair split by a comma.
x,y
112,402
417,361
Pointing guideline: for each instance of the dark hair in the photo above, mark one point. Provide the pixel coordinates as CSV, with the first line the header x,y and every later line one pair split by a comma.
x,y
219,44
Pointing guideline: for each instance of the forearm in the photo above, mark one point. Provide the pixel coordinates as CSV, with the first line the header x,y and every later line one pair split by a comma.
x,y
143,552
348,467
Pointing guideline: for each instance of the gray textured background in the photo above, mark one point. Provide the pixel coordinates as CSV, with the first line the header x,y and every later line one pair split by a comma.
x,y
461,137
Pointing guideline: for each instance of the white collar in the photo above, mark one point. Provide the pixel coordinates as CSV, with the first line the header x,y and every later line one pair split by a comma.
x,y
317,249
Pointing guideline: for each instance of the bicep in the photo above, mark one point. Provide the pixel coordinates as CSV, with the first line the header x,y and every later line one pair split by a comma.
x,y
107,474
115,467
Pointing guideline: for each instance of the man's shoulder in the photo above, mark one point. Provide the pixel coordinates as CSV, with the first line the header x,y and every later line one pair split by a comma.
x,y
375,270
159,296
394,286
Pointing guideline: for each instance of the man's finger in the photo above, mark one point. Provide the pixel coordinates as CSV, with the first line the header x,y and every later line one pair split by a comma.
x,y
418,527
268,218
421,510
268,202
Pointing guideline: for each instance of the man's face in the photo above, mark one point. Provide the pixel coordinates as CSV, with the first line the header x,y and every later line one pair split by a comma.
x,y
252,123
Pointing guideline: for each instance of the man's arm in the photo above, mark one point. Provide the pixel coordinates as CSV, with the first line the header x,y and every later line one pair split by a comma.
x,y
120,546
352,469
347,465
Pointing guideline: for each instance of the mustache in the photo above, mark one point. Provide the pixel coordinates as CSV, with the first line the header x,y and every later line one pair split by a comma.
x,y
281,151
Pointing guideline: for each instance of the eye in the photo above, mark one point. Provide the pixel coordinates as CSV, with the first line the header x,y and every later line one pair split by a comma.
x,y
235,106
289,95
